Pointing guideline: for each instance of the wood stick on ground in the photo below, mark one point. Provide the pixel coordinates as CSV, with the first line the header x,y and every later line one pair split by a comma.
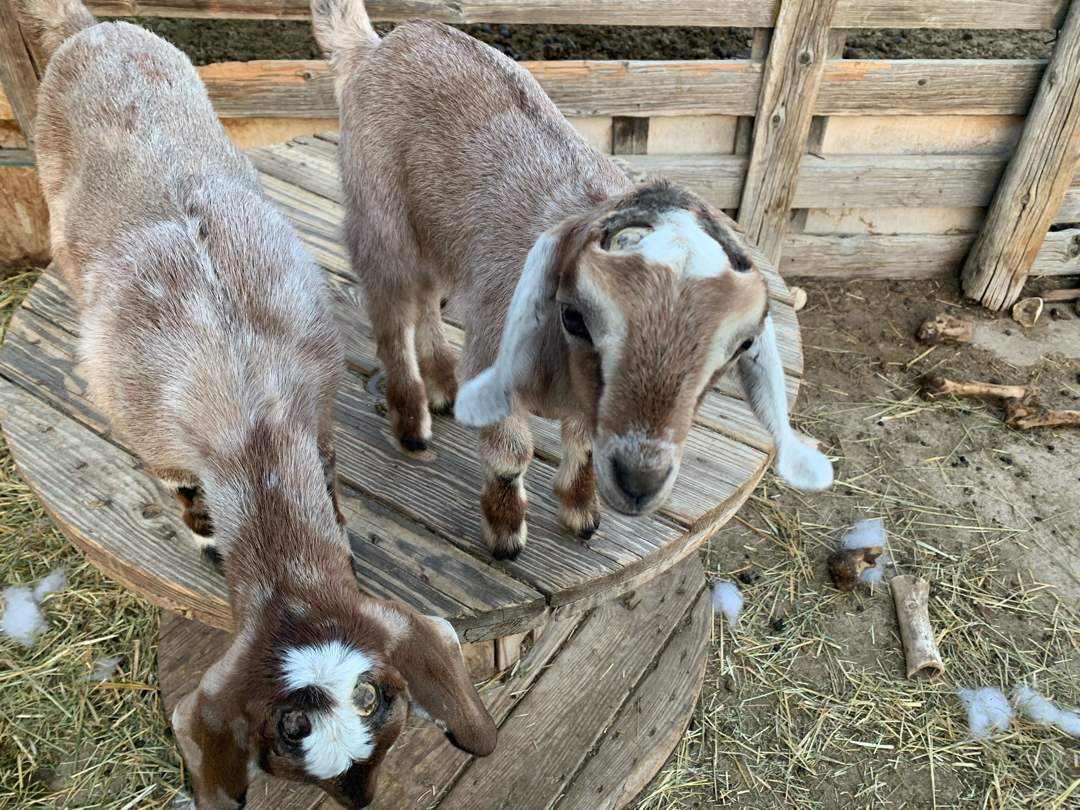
x,y
1023,410
1057,296
944,329
911,596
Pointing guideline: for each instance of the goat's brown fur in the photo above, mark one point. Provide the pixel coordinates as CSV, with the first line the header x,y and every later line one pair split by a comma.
x,y
207,339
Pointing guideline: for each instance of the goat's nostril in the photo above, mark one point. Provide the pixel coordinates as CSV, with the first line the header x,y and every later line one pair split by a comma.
x,y
638,484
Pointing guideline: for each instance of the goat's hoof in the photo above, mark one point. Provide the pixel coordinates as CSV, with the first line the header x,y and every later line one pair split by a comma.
x,y
582,523
443,409
213,556
413,444
505,543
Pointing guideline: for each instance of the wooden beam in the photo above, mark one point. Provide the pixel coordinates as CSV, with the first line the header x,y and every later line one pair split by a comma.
x,y
789,90
629,136
1035,180
19,75
1028,14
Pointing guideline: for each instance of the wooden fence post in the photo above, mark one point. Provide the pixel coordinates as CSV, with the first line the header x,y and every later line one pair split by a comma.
x,y
1035,180
19,74
793,69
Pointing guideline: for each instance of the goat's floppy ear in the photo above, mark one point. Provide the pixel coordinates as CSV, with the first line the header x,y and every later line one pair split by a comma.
x,y
762,376
430,660
213,737
486,398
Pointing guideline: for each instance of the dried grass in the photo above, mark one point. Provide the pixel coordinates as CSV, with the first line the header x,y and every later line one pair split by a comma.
x,y
66,742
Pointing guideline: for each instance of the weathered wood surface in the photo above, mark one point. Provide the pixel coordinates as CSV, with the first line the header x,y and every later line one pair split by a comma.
x,y
1031,14
586,721
413,519
1035,182
789,90
18,72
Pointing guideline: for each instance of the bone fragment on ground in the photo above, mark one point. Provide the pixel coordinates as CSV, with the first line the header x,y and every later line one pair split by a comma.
x,y
1026,312
988,711
934,386
1023,410
911,596
867,534
944,329
727,601
848,565
798,298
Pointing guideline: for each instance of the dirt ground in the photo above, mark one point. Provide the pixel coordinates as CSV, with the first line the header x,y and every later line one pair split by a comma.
x,y
806,703
207,41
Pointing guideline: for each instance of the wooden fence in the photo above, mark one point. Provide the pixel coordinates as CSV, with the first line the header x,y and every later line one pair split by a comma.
x,y
839,168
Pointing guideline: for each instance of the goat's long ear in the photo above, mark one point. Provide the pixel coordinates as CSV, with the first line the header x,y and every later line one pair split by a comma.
x,y
486,398
762,376
430,660
207,725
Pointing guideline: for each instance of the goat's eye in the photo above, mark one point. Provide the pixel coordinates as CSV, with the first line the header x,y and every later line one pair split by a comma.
x,y
574,323
365,698
746,345
294,726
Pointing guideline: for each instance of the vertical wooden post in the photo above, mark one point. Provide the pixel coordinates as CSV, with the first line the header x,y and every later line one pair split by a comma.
x,y
19,74
1035,180
629,136
789,90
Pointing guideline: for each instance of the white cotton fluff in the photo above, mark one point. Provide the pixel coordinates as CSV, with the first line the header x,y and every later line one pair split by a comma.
x,y
727,601
22,619
1038,709
103,669
988,711
865,534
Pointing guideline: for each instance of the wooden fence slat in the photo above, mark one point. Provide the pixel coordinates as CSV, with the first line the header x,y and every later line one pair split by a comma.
x,y
1029,14
1035,180
792,75
18,73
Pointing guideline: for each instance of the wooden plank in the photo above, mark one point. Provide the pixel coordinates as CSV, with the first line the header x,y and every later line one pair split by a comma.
x,y
645,731
1035,181
281,88
1058,254
738,13
929,87
1029,14
16,156
114,513
19,75
629,136
874,257
649,617
789,90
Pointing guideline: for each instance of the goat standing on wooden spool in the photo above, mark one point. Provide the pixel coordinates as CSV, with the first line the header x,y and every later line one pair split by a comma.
x,y
584,299
207,340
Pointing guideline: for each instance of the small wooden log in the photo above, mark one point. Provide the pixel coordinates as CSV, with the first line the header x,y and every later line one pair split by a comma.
x,y
1027,311
911,595
789,90
944,329
1058,296
1035,180
846,565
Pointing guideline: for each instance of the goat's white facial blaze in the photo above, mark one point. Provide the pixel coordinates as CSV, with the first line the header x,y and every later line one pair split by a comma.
x,y
339,736
680,243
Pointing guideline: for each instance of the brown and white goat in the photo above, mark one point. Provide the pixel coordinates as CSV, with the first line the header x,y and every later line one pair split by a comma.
x,y
584,299
207,339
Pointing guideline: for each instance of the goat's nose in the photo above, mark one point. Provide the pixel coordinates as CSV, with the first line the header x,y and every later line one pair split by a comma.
x,y
638,484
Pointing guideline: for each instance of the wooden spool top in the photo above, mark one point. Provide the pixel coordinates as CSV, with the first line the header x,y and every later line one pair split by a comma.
x,y
413,518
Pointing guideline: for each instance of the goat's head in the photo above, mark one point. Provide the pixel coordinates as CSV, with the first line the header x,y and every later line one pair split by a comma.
x,y
656,296
323,702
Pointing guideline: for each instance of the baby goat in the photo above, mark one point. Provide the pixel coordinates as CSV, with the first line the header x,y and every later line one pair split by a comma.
x,y
584,299
207,339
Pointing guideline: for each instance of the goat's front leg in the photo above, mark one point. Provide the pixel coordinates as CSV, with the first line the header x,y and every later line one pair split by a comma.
x,y
575,483
187,489
328,457
506,449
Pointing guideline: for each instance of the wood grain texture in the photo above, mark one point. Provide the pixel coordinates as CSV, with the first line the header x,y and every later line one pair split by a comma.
x,y
19,75
916,256
1035,181
789,90
1030,14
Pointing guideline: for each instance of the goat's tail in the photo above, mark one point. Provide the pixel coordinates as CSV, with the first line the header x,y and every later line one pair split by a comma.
x,y
342,28
51,22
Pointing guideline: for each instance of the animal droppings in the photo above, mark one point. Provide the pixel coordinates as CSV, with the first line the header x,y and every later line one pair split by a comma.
x,y
727,601
1038,709
988,711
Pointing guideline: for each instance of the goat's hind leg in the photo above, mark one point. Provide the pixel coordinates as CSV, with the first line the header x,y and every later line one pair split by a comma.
x,y
406,395
506,449
187,490
436,358
575,483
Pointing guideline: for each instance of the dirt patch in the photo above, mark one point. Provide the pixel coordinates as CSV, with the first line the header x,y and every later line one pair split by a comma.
x,y
206,41
806,703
